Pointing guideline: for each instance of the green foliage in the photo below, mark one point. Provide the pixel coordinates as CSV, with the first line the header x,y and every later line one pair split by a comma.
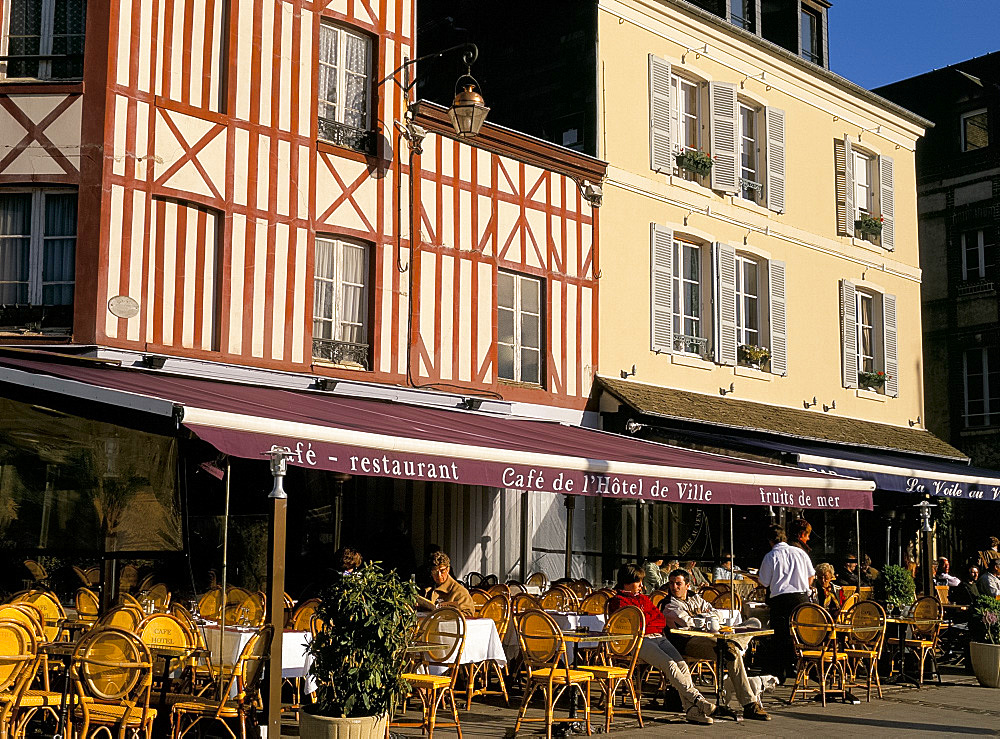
x,y
358,657
868,225
872,379
984,624
753,354
900,589
695,161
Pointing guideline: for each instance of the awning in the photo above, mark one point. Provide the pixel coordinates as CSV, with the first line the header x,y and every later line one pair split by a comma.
x,y
908,469
370,437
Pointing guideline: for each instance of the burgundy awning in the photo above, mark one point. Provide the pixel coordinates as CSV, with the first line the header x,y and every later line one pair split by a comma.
x,y
388,439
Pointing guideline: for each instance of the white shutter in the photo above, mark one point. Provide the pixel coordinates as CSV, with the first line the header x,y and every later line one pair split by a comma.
x,y
725,308
889,343
776,307
661,289
660,144
849,207
885,207
774,121
722,102
849,333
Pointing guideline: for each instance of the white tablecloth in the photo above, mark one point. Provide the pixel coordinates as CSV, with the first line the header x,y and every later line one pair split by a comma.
x,y
295,662
573,621
482,642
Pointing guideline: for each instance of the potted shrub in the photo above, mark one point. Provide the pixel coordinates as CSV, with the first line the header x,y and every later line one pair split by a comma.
x,y
873,381
900,590
752,355
868,225
696,161
984,649
359,653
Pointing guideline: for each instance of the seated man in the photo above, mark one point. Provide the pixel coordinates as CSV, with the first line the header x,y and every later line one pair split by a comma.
x,y
655,650
943,575
445,590
989,581
725,570
695,575
679,610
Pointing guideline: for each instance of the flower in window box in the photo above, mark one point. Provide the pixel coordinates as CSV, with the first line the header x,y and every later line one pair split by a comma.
x,y
696,161
753,355
868,225
872,380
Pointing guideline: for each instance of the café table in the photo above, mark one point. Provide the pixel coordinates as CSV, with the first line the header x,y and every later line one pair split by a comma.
x,y
739,636
902,624
295,659
482,643
570,622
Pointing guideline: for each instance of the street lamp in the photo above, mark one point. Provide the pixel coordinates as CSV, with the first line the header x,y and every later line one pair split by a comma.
x,y
468,111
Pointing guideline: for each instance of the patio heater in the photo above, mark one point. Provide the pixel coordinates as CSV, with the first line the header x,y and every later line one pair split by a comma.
x,y
924,510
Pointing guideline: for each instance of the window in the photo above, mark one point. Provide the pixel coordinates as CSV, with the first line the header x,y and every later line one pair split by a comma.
x,y
741,13
976,257
341,286
519,328
688,330
37,247
975,130
811,47
44,39
750,183
862,185
688,129
982,386
868,323
345,73
748,302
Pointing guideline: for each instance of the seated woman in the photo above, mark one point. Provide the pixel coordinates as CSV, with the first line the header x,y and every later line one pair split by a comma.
x,y
655,649
445,590
828,593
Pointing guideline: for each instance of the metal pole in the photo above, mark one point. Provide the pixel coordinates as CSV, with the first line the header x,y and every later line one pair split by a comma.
x,y
732,562
524,536
225,574
570,509
857,523
276,586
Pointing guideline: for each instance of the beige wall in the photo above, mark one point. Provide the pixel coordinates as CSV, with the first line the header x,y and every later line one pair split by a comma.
x,y
804,237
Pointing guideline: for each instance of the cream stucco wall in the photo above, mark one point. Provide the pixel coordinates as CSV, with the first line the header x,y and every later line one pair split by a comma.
x,y
805,236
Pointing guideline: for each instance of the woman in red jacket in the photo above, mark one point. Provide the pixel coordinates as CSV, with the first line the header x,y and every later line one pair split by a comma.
x,y
655,649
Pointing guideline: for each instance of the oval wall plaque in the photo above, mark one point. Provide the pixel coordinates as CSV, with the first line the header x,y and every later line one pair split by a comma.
x,y
123,306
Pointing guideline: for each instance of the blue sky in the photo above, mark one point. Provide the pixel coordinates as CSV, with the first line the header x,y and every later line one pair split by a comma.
x,y
874,42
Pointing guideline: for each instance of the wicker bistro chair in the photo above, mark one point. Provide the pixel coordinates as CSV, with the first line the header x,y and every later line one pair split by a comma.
x,y
88,606
244,607
243,683
657,597
581,588
538,580
710,594
18,647
525,602
159,595
479,597
126,618
165,630
727,601
499,589
210,604
548,670
815,642
557,599
498,609
50,607
128,579
112,672
923,639
301,619
622,657
82,576
445,627
864,642
595,604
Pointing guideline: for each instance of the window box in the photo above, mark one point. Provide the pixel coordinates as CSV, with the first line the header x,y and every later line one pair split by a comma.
x,y
343,353
873,381
868,226
347,137
695,161
750,355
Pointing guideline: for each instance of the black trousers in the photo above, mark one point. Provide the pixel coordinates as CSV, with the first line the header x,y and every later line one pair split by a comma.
x,y
782,651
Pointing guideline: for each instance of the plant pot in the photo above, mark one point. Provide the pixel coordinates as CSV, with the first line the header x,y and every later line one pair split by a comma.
x,y
986,663
328,727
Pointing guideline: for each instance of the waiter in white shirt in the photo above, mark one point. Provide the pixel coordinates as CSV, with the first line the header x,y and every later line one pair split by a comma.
x,y
787,572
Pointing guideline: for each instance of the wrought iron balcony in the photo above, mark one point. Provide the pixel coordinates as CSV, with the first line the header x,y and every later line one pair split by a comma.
x,y
36,319
340,352
346,136
690,344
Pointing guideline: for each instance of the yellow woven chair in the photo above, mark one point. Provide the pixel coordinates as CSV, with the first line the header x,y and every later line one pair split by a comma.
x,y
81,575
622,656
581,589
524,602
126,618
244,608
844,615
816,651
864,642
727,601
923,638
39,574
595,604
479,598
537,580
245,678
88,605
93,576
127,599
444,627
302,616
499,589
709,594
557,599
498,610
548,670
17,659
210,604
657,597
112,673
158,595
166,630
128,579
50,607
